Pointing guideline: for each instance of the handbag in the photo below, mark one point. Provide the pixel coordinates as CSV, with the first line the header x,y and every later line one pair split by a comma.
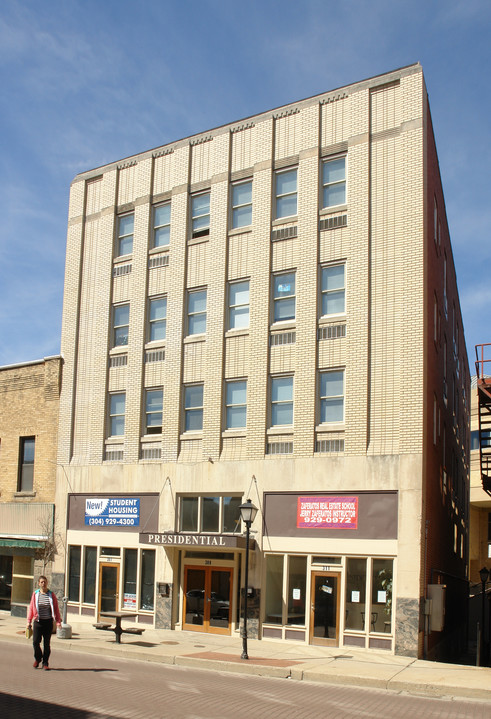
x,y
28,632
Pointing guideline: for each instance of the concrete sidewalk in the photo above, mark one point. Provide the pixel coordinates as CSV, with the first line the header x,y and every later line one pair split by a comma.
x,y
348,666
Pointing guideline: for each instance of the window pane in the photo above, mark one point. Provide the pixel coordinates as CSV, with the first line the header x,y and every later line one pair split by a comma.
x,y
197,301
158,308
284,285
154,400
126,245
74,574
356,570
90,565
274,590
282,413
297,579
200,205
335,195
231,514
162,215
286,206
162,237
189,514
210,514
333,303
236,417
282,389
237,392
334,170
381,609
333,278
242,216
194,396
121,315
147,579
242,194
332,383
332,410
239,293
28,453
284,310
126,225
117,426
129,581
286,182
197,324
194,420
118,402
239,318
120,336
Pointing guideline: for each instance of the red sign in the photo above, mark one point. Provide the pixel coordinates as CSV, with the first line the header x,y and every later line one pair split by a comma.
x,y
327,512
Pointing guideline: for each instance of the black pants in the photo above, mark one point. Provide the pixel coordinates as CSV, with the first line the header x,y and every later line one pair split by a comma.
x,y
41,630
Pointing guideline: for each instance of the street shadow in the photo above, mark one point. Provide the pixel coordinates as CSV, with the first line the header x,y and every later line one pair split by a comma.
x,y
14,707
80,669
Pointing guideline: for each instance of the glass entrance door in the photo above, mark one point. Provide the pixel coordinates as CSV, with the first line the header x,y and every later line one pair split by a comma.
x,y
207,599
324,614
108,587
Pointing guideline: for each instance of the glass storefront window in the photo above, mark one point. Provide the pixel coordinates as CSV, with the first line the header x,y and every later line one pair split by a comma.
x,y
90,565
381,608
129,580
110,552
147,579
274,589
211,514
356,579
74,555
231,514
189,514
297,579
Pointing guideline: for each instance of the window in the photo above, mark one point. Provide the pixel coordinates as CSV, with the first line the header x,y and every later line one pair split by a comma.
x,y
74,557
333,292
281,401
161,225
90,566
121,322
334,182
200,215
332,396
435,221
125,234
197,312
286,193
284,297
146,570
157,319
193,408
117,404
274,589
147,584
381,607
242,204
209,514
236,404
26,464
238,300
297,584
129,577
153,411
356,579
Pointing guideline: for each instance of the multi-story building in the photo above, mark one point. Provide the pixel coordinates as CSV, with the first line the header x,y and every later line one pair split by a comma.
x,y
269,310
480,500
29,402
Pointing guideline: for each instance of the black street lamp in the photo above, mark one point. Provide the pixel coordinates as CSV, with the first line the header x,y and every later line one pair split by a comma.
x,y
247,513
484,574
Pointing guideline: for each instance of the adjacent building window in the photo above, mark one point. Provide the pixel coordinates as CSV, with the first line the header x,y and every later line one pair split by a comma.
x,y
334,182
242,204
157,319
153,411
126,225
161,225
333,290
236,404
121,322
281,401
284,297
209,514
238,300
117,403
200,215
197,312
286,193
193,408
332,396
26,464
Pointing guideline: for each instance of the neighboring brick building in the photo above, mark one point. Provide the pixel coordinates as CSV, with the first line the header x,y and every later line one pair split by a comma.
x,y
29,402
480,501
269,310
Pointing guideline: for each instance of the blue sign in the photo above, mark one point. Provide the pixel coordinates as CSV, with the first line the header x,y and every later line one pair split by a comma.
x,y
112,512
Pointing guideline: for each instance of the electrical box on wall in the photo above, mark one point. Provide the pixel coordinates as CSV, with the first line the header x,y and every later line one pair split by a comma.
x,y
436,593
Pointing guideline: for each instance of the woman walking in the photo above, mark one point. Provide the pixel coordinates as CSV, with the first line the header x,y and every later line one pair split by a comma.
x,y
43,609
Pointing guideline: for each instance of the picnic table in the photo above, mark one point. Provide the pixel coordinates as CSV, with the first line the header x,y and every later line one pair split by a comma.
x,y
118,629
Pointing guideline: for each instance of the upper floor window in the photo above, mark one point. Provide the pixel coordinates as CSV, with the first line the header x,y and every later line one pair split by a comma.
x,y
281,401
242,204
157,319
209,514
161,225
126,225
238,299
121,321
333,291
197,312
236,404
193,408
332,396
117,405
286,193
200,215
153,411
334,182
26,464
284,297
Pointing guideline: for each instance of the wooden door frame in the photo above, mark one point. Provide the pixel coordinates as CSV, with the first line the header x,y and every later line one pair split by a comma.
x,y
205,627
107,564
318,640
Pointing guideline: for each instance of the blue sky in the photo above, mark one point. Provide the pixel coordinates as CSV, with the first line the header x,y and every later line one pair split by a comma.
x,y
86,82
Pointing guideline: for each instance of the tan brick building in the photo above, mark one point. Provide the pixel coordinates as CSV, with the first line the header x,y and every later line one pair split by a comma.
x,y
29,403
269,310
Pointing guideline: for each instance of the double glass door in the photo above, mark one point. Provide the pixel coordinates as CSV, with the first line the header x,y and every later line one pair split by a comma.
x,y
324,609
207,599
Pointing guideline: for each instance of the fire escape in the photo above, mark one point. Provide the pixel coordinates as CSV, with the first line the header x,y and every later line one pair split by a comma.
x,y
483,372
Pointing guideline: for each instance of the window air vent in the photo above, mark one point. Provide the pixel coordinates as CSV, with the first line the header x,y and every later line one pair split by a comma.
x,y
283,338
331,223
329,445
155,356
331,332
118,361
279,448
284,233
158,261
120,270
150,453
114,455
